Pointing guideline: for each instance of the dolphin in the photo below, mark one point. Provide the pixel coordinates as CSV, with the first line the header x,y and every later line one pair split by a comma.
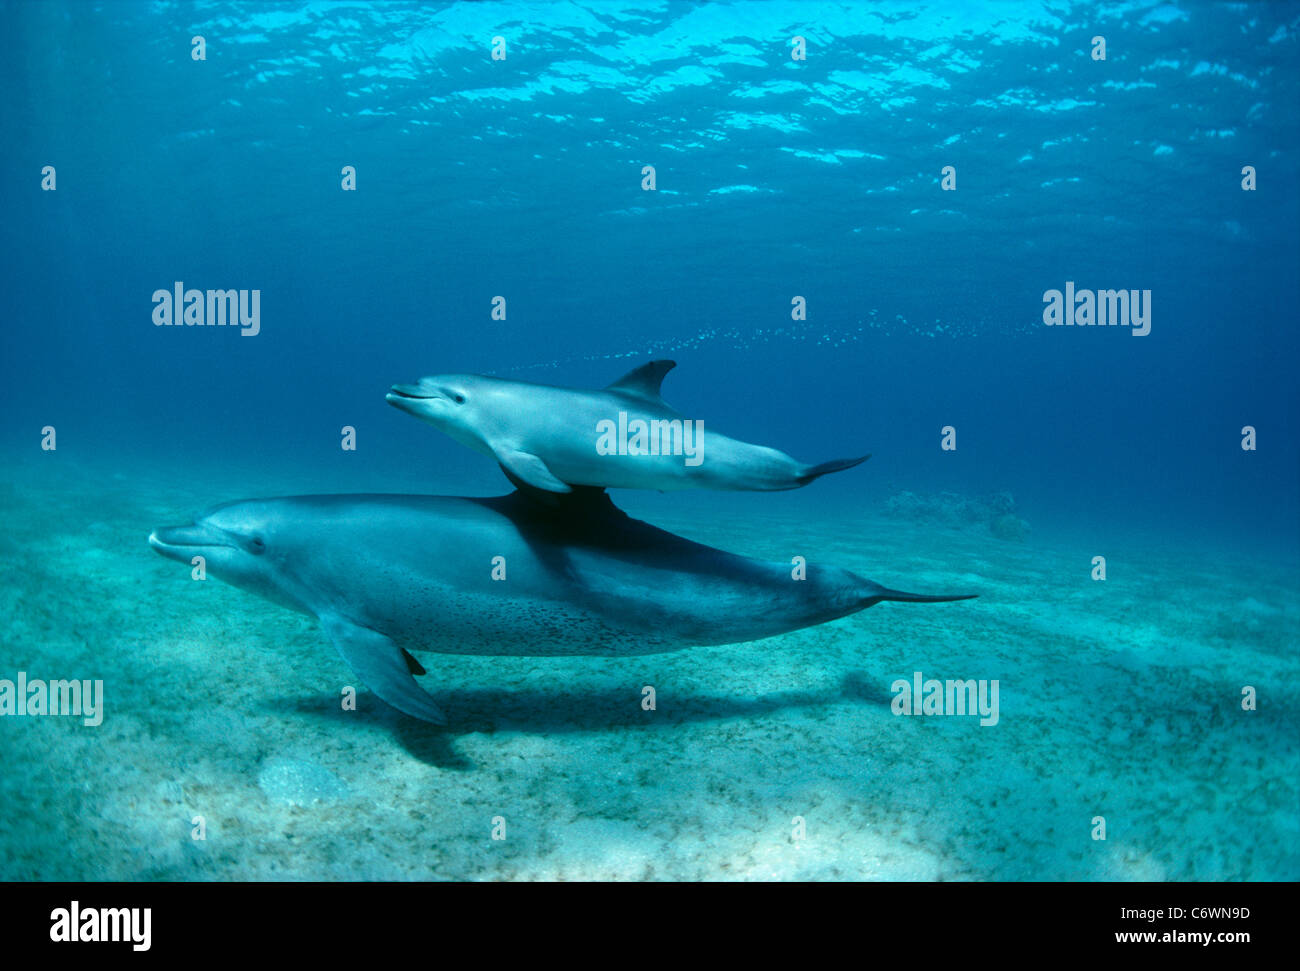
x,y
622,436
507,576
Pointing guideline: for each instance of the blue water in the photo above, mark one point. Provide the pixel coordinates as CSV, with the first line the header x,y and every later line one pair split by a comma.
x,y
775,178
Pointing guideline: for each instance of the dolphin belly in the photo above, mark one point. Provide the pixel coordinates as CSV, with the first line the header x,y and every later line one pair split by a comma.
x,y
505,624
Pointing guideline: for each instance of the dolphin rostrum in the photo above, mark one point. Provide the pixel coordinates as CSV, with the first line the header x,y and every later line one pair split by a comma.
x,y
508,576
623,436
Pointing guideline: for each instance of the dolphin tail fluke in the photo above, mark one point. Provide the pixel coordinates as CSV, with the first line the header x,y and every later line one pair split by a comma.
x,y
826,468
901,596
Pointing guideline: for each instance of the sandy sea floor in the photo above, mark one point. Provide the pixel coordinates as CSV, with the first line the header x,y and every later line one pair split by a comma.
x,y
1118,699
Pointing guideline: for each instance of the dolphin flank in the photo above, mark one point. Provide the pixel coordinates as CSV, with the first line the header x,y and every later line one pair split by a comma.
x,y
623,436
508,576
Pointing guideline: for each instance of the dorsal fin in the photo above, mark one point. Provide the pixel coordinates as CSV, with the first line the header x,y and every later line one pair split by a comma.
x,y
644,381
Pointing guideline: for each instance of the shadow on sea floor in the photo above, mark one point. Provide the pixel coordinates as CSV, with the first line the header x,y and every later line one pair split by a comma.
x,y
550,712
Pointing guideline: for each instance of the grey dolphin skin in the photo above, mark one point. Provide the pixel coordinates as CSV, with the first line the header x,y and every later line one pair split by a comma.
x,y
389,574
624,436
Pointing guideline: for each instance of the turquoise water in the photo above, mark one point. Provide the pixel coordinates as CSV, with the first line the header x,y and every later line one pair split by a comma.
x,y
775,178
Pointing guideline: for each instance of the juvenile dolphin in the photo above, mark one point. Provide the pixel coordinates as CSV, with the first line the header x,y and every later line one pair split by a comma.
x,y
623,436
388,574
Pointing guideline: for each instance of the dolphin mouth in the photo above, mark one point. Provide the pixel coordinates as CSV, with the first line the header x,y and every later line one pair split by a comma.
x,y
180,542
410,399
399,391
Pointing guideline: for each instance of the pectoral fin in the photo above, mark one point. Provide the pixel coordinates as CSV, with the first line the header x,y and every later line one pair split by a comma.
x,y
382,667
530,469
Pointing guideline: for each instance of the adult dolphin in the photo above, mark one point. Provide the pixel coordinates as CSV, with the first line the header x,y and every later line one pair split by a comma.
x,y
388,574
622,436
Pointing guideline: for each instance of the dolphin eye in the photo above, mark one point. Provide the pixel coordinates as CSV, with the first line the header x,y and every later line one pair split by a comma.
x,y
458,398
256,545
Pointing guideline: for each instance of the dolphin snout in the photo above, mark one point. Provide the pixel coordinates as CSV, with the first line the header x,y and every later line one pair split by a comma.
x,y
411,398
412,391
180,542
